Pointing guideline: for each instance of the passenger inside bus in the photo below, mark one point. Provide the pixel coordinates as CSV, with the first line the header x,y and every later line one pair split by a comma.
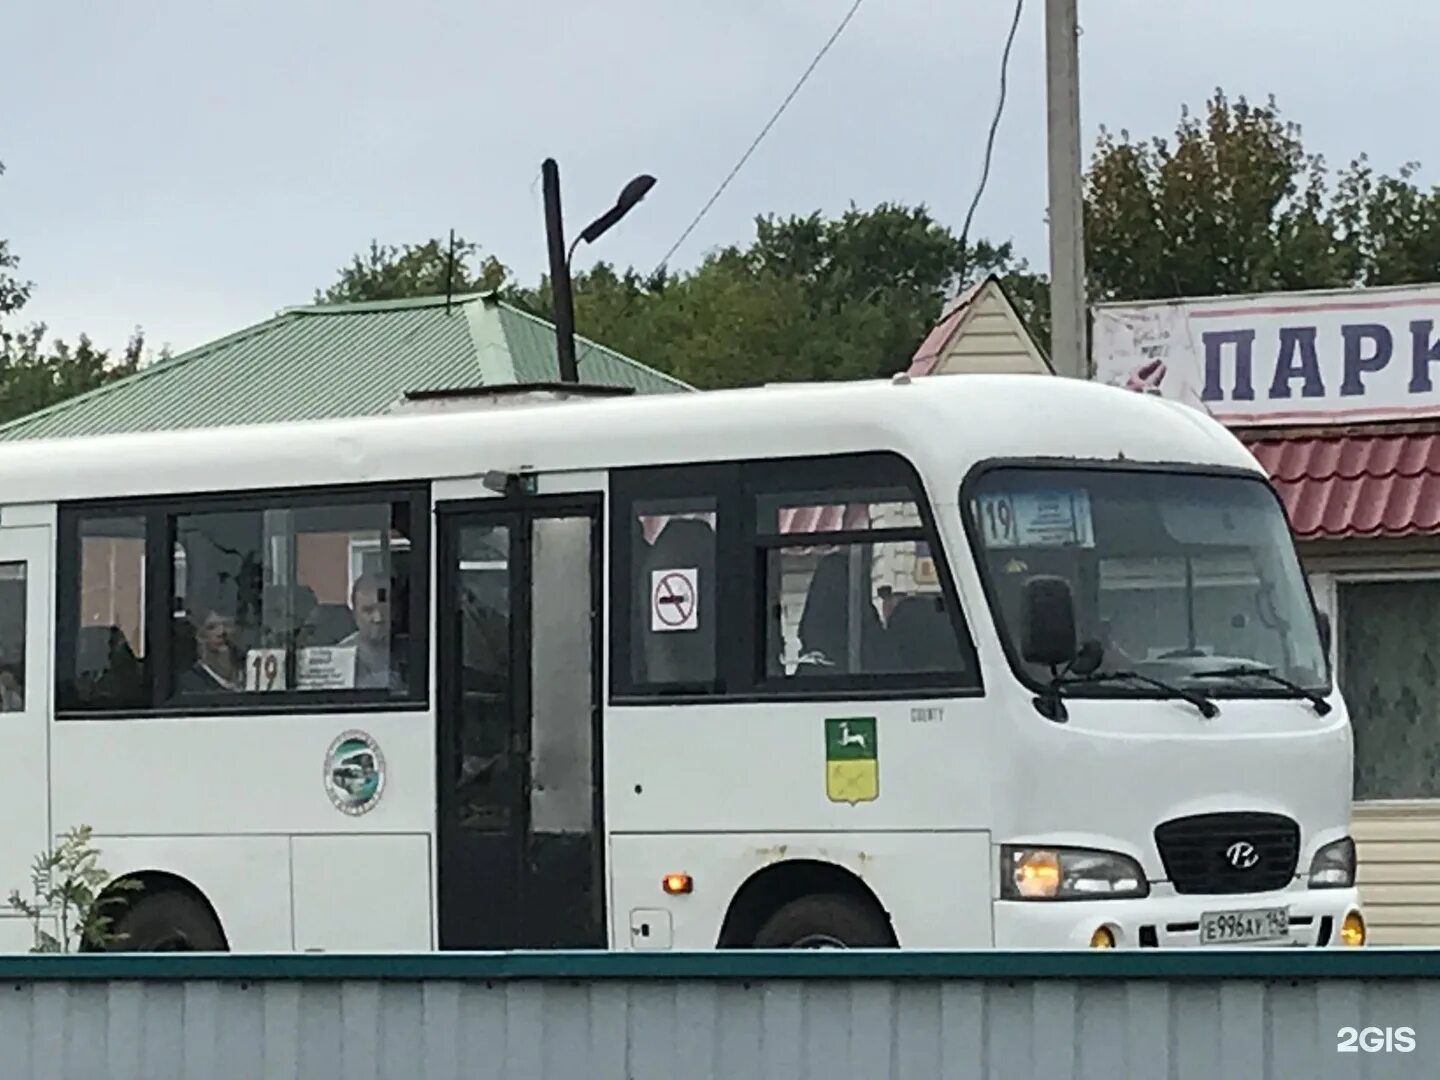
x,y
106,668
375,666
906,633
218,660
922,635
826,621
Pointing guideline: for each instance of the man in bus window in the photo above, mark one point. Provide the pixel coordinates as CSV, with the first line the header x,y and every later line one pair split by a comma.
x,y
370,603
218,663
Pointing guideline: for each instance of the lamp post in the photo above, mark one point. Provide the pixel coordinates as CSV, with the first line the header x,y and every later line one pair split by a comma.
x,y
560,285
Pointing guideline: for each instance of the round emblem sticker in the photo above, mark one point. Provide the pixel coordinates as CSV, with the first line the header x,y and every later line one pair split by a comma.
x,y
354,772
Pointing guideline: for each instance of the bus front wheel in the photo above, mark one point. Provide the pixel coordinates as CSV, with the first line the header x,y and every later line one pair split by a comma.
x,y
827,921
166,922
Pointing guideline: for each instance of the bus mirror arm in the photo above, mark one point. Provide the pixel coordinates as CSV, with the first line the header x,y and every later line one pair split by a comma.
x,y
1050,704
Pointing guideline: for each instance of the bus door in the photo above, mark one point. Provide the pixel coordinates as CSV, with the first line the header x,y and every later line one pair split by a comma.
x,y
519,838
25,687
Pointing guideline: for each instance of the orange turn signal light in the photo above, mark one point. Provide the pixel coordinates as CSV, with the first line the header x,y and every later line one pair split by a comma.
x,y
677,884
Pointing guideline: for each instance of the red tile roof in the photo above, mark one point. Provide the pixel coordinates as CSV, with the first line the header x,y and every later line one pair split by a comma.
x,y
1372,481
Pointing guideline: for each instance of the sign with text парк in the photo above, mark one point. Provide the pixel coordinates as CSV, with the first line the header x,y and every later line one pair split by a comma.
x,y
1318,357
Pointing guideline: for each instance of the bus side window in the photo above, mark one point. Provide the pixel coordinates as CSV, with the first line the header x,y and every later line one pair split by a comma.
x,y
839,628
12,636
667,585
842,632
922,635
639,558
777,576
679,579
101,661
261,602
851,589
299,597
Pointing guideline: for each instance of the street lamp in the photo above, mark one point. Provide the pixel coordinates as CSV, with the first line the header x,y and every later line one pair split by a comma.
x,y
560,289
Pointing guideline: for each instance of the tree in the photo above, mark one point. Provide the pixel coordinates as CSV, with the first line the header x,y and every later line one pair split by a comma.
x,y
34,376
13,291
387,272
809,298
1394,226
878,277
1235,204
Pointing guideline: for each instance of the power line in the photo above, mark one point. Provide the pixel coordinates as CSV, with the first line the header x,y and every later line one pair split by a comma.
x,y
994,127
785,104
763,132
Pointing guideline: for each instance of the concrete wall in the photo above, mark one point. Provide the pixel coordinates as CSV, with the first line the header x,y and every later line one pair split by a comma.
x,y
1195,1015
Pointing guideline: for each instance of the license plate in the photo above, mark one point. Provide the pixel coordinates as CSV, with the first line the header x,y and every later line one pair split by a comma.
x,y
1239,927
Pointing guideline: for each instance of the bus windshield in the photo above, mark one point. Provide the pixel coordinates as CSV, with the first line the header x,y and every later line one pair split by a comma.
x,y
1181,577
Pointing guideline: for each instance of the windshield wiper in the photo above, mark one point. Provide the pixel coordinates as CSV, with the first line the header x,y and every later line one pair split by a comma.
x,y
1054,707
1259,671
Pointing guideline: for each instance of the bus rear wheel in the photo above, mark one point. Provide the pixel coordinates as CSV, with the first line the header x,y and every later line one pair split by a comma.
x,y
827,921
166,922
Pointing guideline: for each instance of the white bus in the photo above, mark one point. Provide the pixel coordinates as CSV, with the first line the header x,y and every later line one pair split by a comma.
x,y
964,662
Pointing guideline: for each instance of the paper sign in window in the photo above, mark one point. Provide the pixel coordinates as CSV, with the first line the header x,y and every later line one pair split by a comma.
x,y
264,670
1036,519
326,668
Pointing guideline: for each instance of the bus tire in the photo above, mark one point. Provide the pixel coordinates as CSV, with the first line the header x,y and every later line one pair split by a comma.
x,y
826,921
166,922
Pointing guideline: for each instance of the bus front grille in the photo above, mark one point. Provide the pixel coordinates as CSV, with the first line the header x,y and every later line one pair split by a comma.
x,y
1229,853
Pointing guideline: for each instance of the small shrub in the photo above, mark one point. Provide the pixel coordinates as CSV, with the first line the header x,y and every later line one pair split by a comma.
x,y
66,884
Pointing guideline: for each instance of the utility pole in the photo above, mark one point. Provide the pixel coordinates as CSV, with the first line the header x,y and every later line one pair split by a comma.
x,y
559,274
1069,316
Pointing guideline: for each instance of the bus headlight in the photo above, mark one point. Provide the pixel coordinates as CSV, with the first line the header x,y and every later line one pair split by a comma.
x,y
1028,873
1334,865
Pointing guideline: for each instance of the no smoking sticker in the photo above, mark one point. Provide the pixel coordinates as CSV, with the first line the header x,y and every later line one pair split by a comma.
x,y
673,600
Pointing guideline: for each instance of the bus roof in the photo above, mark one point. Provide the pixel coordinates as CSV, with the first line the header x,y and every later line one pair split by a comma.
x,y
945,424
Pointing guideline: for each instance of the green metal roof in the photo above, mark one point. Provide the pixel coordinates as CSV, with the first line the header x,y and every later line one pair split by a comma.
x,y
334,360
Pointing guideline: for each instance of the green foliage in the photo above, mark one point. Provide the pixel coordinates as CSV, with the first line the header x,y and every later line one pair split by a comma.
x,y
66,884
13,291
809,298
1392,225
1231,203
1234,204
34,376
387,272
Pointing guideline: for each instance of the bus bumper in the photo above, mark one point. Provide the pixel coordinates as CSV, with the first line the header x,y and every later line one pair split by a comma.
x,y
1316,918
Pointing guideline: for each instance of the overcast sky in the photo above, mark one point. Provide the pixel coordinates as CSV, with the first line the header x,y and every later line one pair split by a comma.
x,y
192,167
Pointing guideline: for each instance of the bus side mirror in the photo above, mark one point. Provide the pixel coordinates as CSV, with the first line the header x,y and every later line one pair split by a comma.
x,y
1048,633
1322,620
